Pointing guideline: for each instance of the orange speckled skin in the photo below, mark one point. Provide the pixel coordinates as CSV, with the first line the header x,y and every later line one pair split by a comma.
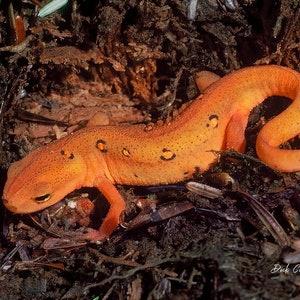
x,y
147,155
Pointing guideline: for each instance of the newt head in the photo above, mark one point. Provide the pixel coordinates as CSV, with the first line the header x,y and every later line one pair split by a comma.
x,y
43,178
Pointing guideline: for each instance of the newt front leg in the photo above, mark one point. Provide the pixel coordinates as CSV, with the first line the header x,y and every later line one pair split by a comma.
x,y
112,219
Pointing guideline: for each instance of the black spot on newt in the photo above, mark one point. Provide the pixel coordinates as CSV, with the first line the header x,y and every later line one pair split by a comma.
x,y
148,128
192,173
213,121
125,152
167,154
101,145
68,154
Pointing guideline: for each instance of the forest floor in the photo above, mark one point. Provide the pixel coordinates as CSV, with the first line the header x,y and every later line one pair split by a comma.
x,y
134,62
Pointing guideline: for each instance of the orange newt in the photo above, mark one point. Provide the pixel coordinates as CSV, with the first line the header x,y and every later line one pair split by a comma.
x,y
103,156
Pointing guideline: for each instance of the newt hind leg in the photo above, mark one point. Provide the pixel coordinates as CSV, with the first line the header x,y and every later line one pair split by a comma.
x,y
235,132
204,79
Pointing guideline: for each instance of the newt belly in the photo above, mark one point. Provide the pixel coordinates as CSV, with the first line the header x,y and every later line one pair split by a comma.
x,y
160,154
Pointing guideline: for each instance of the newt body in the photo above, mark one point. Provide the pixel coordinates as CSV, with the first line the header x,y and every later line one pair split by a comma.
x,y
103,156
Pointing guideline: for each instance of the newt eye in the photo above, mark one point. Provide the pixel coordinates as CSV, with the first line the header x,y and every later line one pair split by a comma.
x,y
42,198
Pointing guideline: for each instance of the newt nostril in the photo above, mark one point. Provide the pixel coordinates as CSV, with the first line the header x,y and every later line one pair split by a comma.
x,y
10,207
